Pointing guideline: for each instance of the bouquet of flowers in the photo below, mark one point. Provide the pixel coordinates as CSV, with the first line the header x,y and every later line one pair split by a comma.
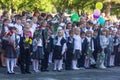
x,y
27,42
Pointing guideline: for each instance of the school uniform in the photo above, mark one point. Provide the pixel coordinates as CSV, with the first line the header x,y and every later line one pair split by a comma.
x,y
97,48
89,56
115,51
24,57
84,51
47,50
104,42
59,49
77,51
37,49
77,47
10,53
69,53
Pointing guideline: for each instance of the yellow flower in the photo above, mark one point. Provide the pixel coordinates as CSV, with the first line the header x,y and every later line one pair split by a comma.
x,y
27,39
30,41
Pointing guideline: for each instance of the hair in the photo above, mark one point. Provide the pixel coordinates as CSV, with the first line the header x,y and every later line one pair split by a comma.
x,y
71,31
3,29
60,31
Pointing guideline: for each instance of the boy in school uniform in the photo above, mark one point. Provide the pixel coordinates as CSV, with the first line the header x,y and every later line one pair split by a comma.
x,y
25,52
48,49
69,51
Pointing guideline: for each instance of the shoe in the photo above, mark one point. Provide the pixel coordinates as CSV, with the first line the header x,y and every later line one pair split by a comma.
x,y
12,72
59,71
102,67
36,71
9,72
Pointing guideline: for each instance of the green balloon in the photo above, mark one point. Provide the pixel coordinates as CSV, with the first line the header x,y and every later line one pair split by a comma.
x,y
75,18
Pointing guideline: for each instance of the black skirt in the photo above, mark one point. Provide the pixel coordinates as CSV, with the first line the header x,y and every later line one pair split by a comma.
x,y
57,54
38,54
10,52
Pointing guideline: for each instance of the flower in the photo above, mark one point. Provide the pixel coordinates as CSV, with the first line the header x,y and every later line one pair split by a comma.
x,y
27,39
30,41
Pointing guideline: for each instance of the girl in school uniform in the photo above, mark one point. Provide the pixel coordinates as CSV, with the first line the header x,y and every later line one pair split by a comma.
x,y
10,53
77,49
37,51
89,59
5,30
59,49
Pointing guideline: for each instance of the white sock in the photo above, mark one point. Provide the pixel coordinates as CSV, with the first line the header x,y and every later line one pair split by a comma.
x,y
59,65
34,68
15,62
37,65
12,65
74,64
50,58
112,60
55,64
8,64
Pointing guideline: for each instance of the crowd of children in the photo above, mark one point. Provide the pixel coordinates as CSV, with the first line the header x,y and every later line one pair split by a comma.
x,y
43,39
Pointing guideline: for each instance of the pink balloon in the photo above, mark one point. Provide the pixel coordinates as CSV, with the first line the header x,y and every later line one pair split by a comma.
x,y
97,12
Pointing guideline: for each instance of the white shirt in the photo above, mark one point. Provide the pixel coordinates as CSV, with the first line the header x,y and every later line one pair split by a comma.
x,y
89,40
33,28
40,43
88,30
6,29
104,41
77,42
59,44
19,28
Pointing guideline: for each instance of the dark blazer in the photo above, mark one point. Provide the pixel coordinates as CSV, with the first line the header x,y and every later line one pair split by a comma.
x,y
49,46
70,44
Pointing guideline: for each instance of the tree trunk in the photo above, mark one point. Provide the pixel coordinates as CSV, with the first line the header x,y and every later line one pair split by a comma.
x,y
107,12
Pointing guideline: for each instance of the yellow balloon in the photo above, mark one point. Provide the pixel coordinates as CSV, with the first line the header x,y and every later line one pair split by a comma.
x,y
99,5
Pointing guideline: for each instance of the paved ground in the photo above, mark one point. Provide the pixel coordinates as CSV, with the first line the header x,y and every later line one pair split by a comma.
x,y
88,74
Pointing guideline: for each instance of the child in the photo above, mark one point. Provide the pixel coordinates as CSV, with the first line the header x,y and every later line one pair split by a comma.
x,y
37,51
84,50
77,49
10,53
25,46
48,49
17,40
5,30
104,42
59,49
69,52
89,60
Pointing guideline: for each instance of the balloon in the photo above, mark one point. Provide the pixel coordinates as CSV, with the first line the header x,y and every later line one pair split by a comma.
x,y
96,16
97,12
99,5
101,20
75,18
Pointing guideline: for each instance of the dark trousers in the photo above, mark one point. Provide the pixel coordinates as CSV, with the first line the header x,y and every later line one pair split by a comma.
x,y
68,61
44,63
81,61
25,61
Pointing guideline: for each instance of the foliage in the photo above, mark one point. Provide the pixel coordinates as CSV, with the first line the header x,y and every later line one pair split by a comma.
x,y
79,6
